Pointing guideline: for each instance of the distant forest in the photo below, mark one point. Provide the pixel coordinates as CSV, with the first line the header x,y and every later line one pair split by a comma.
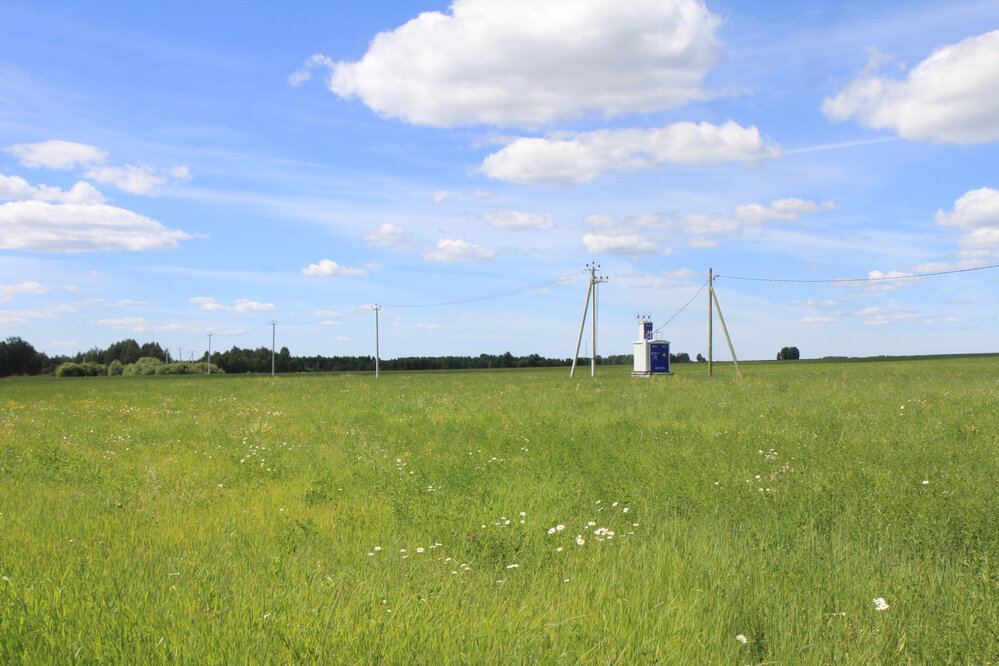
x,y
128,357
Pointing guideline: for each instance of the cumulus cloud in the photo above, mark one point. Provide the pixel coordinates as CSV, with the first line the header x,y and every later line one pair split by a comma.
x,y
37,226
207,303
450,251
8,291
15,188
440,196
587,156
976,213
56,154
509,219
529,62
241,305
136,178
781,209
246,305
976,209
947,98
629,244
327,268
390,236
817,320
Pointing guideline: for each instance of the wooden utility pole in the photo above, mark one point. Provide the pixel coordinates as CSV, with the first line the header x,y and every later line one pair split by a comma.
x,y
711,320
713,299
376,309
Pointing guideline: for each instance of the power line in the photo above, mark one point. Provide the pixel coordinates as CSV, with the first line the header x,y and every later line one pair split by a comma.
x,y
627,301
501,294
908,276
683,308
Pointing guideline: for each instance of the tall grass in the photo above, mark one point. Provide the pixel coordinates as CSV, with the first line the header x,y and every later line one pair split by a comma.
x,y
416,518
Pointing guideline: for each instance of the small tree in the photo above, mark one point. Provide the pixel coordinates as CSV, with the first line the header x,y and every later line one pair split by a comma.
x,y
788,354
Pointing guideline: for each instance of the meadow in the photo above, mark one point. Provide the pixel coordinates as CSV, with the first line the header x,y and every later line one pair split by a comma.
x,y
810,513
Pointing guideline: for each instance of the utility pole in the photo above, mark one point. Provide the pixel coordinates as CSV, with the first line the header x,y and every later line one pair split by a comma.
x,y
713,298
273,324
209,353
711,318
376,308
591,290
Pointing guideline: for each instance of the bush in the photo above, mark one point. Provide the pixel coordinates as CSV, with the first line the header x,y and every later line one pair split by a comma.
x,y
146,365
116,368
87,369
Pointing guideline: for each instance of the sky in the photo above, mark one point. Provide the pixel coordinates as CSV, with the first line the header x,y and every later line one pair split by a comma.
x,y
231,173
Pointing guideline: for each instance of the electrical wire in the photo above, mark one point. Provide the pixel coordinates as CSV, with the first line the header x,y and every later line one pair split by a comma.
x,y
509,292
908,276
683,308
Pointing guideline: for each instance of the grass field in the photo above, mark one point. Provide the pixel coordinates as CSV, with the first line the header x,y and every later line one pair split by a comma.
x,y
505,516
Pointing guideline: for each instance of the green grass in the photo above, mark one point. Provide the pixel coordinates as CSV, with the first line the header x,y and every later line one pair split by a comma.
x,y
249,519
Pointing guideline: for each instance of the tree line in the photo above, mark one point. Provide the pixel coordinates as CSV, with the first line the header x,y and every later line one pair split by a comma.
x,y
128,357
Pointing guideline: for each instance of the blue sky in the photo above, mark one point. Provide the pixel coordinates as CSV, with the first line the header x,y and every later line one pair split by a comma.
x,y
173,170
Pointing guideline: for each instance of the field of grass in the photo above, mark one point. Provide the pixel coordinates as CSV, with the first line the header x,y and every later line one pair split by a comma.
x,y
505,516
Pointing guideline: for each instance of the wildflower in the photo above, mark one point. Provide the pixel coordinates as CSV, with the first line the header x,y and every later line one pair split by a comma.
x,y
624,510
419,550
742,639
580,540
523,513
559,549
880,604
512,566
560,527
378,547
551,530
926,482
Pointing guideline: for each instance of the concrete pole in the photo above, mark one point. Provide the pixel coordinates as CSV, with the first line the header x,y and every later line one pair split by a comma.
x,y
582,325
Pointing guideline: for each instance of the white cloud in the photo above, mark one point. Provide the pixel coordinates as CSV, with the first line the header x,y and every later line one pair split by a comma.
x,y
529,62
390,236
450,251
8,291
241,305
977,213
947,98
327,267
587,156
976,209
36,226
134,323
509,219
56,154
134,178
816,320
781,209
440,196
139,324
208,303
246,305
621,244
15,188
